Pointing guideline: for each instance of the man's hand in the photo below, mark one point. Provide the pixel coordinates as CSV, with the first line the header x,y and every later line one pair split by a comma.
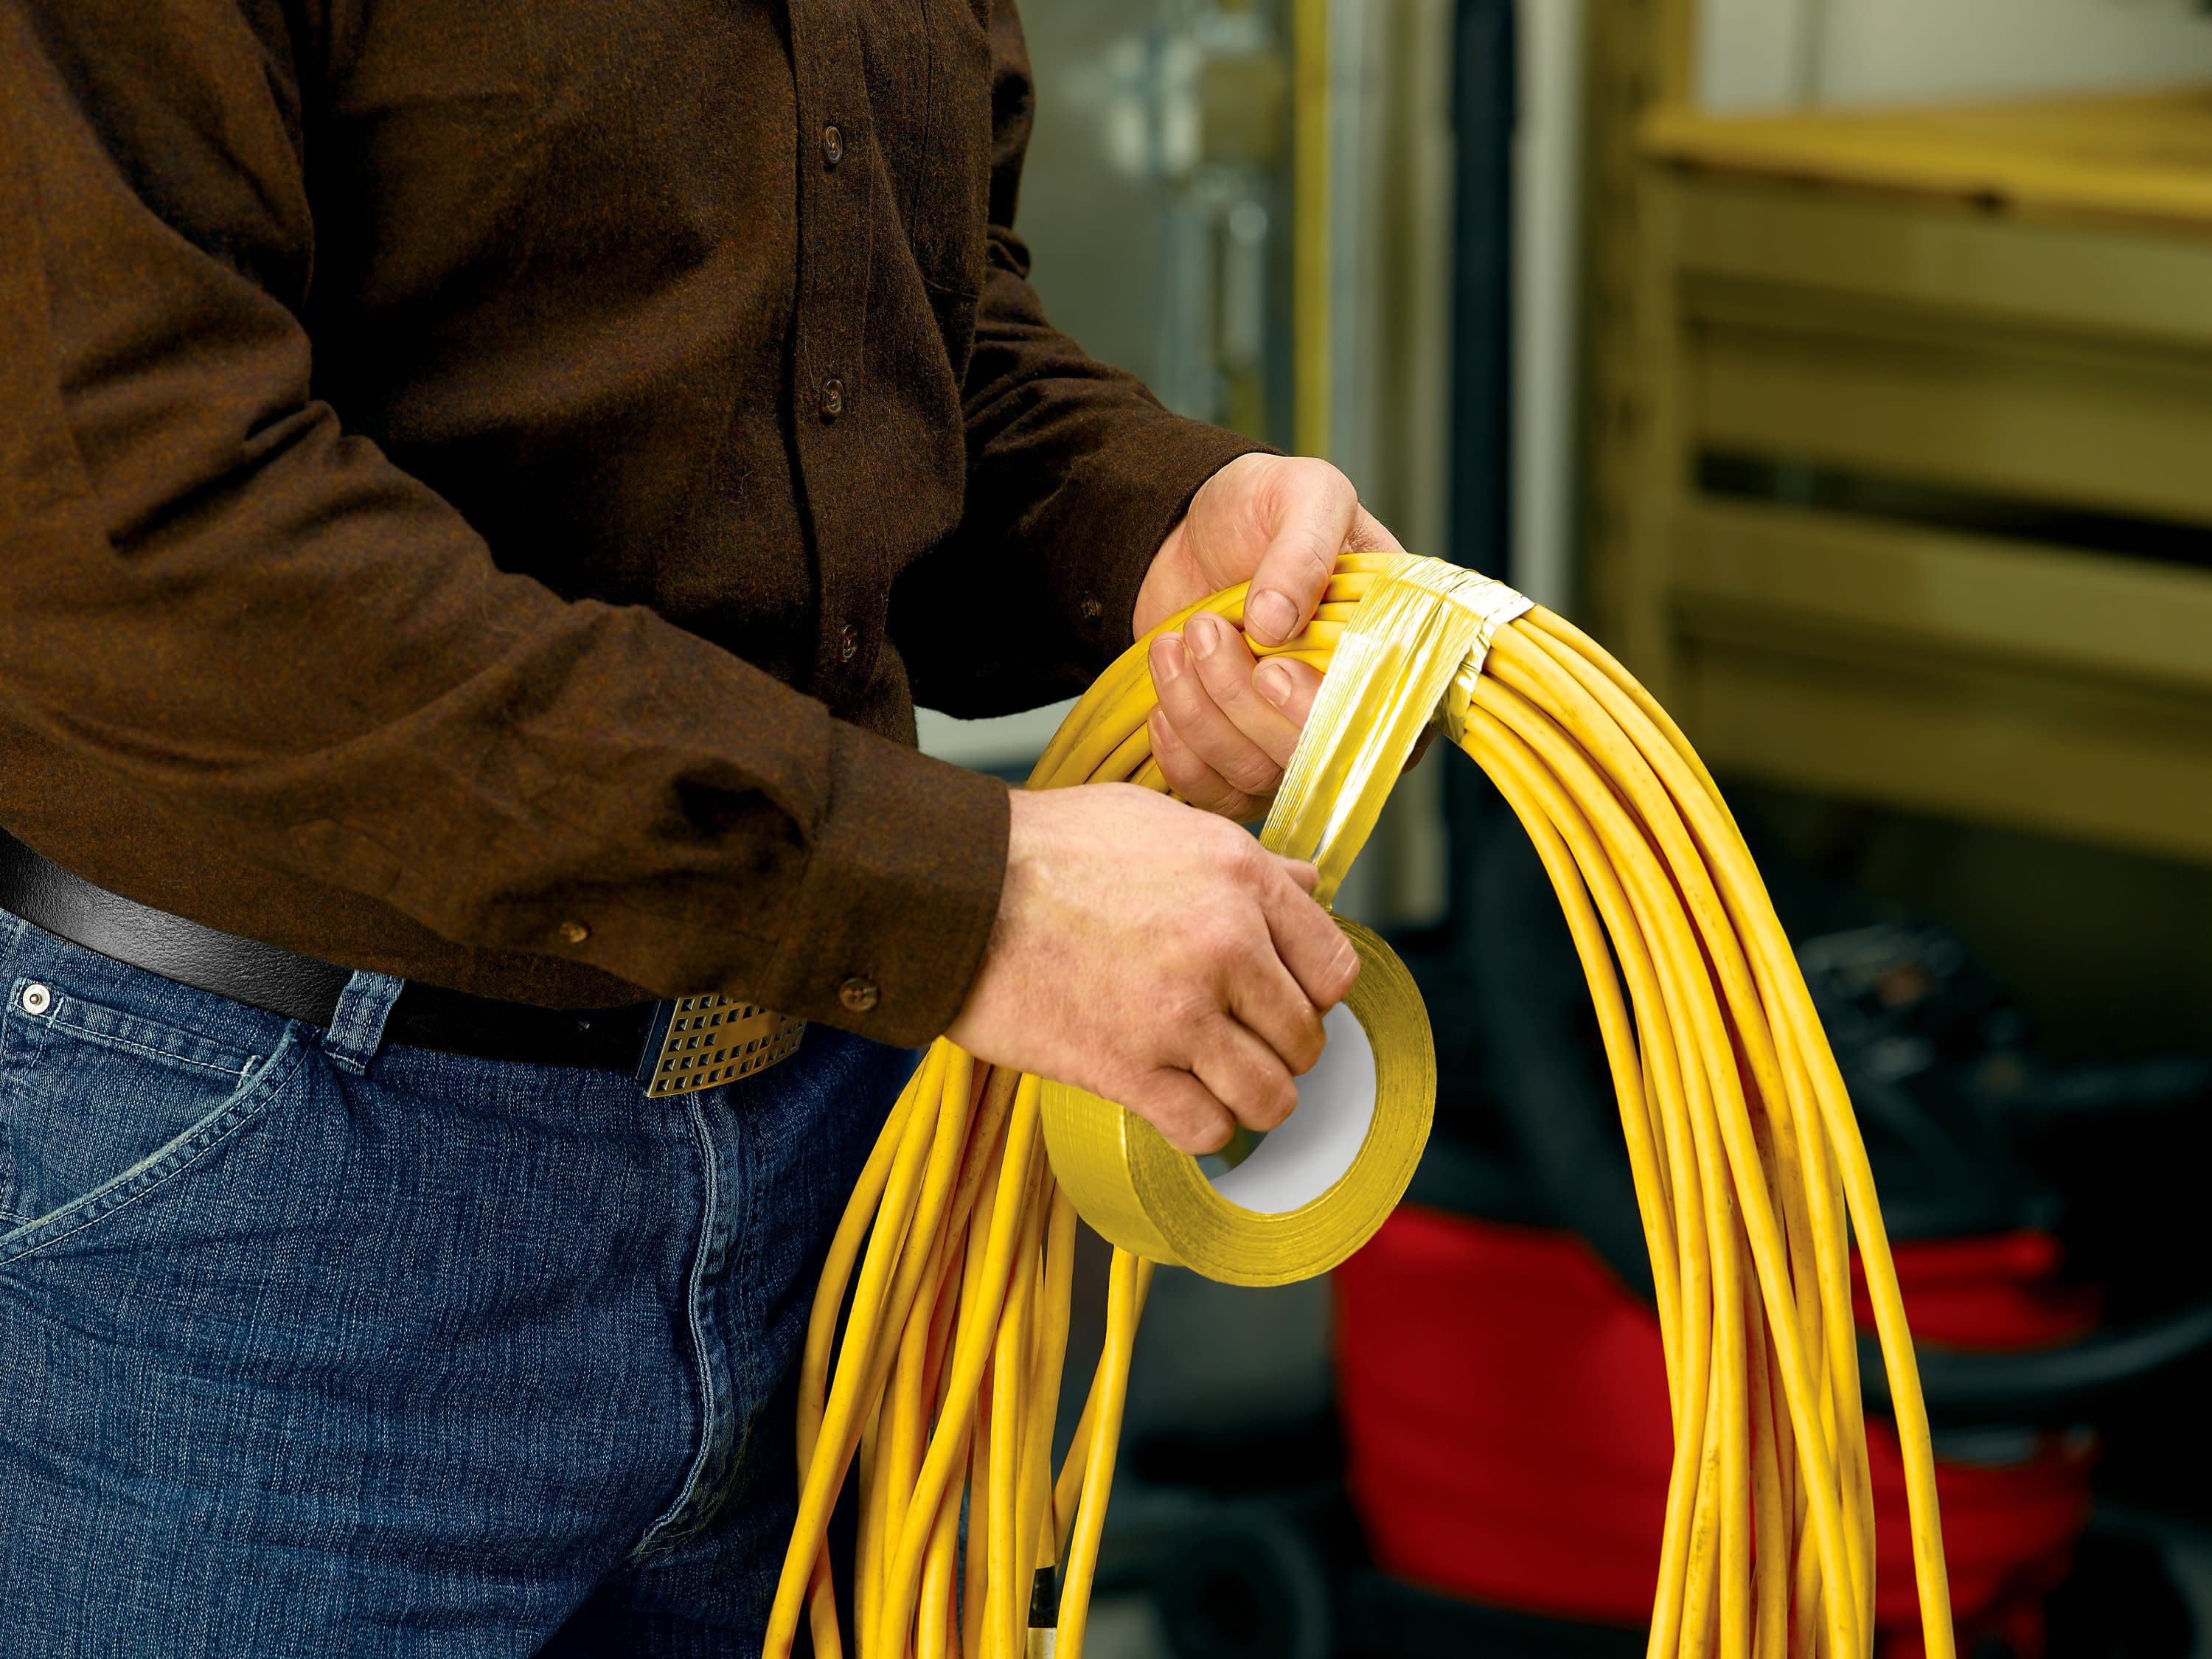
x,y
1158,958
1223,733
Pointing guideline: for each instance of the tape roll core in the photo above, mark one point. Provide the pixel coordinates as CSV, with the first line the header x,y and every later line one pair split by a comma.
x,y
1312,1200
1313,1148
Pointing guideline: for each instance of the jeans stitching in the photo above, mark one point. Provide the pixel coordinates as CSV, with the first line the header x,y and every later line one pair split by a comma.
x,y
734,1268
741,1266
260,1093
653,1540
58,1023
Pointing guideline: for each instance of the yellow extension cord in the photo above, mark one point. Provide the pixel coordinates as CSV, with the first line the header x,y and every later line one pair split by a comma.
x,y
1749,1170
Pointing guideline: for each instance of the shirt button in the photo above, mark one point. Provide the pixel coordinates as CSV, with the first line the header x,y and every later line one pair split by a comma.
x,y
833,145
833,399
1091,609
859,995
848,641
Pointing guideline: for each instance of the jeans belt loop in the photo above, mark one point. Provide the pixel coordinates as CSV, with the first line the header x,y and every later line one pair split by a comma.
x,y
356,1029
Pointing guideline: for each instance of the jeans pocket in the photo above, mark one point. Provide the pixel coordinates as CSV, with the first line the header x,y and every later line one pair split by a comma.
x,y
99,1102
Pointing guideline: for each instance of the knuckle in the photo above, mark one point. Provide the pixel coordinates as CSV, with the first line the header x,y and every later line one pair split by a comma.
x,y
1252,774
1226,682
1367,533
1226,945
1206,748
1121,1085
1241,856
1187,1008
1180,1122
1237,807
1200,782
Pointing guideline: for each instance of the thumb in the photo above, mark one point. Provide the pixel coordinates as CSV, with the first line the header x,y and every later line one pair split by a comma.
x,y
1314,518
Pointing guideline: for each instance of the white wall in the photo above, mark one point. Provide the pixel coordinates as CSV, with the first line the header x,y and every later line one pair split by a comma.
x,y
1752,54
1758,53
991,745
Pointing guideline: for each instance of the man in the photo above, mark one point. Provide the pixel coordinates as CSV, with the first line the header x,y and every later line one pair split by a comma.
x,y
482,485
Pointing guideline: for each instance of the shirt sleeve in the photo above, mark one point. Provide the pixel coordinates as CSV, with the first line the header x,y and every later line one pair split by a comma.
x,y
218,604
1076,474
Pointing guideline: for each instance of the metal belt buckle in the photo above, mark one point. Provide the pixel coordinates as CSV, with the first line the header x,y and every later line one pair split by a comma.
x,y
696,1042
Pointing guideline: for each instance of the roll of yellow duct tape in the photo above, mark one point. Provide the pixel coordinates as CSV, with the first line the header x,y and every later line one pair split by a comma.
x,y
1309,1194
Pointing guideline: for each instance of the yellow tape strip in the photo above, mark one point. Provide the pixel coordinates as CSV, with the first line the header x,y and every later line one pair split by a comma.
x,y
1421,624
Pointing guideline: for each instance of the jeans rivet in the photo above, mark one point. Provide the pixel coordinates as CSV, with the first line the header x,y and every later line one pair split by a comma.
x,y
37,999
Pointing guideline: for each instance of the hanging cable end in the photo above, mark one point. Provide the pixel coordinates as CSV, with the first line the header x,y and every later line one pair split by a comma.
x,y
1044,1613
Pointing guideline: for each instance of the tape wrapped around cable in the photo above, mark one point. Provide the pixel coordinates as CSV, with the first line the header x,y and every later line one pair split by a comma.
x,y
1315,1189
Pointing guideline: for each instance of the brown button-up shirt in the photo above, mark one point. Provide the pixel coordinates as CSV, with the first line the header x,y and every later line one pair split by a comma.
x,y
483,482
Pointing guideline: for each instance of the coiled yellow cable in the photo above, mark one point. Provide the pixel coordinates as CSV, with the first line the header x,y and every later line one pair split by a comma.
x,y
1749,1172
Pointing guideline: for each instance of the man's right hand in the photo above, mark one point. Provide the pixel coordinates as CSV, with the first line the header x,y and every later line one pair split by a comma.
x,y
1158,957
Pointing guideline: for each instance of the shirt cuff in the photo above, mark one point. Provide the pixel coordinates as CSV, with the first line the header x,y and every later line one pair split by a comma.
x,y
890,922
1127,495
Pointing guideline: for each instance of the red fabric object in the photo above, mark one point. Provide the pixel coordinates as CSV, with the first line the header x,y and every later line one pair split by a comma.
x,y
1507,1441
2008,1533
1504,1407
2000,1293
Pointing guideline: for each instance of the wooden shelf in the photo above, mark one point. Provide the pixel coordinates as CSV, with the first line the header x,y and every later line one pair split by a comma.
x,y
2143,159
2006,308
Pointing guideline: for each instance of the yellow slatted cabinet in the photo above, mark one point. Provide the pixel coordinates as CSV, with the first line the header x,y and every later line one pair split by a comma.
x,y
1903,490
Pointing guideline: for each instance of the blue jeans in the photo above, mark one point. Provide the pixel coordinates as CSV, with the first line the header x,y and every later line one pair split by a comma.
x,y
314,1346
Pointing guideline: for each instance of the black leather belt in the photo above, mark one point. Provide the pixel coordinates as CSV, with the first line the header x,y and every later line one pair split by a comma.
x,y
268,977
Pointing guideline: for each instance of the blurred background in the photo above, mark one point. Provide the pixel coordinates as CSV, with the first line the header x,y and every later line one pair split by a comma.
x,y
1846,366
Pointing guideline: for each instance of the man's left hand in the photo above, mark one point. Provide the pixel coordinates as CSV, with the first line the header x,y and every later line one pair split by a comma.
x,y
1226,724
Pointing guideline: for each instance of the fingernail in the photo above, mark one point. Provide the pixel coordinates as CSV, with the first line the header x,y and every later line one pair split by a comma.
x,y
1167,656
1274,683
1204,634
1272,616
